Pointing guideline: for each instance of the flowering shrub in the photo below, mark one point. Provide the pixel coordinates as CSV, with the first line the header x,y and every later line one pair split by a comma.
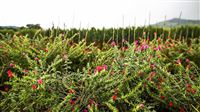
x,y
59,75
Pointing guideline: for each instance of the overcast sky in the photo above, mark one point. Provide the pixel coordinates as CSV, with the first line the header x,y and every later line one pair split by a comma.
x,y
97,13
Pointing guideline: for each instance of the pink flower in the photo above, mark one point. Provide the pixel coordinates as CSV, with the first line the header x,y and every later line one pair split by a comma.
x,y
178,61
123,40
187,61
12,65
85,110
39,81
136,43
144,47
25,71
105,67
157,48
36,58
141,106
113,43
124,48
149,78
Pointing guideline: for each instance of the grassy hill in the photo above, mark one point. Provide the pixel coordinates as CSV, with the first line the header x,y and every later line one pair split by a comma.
x,y
176,21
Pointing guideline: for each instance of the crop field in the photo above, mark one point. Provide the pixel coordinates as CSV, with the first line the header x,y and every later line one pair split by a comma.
x,y
109,70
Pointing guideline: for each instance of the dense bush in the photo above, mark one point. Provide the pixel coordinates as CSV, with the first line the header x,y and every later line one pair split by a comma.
x,y
57,74
104,35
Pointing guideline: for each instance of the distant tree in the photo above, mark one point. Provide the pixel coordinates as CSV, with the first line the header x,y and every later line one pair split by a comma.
x,y
34,26
22,27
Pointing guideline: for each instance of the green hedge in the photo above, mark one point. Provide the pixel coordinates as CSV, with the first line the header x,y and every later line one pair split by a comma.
x,y
100,35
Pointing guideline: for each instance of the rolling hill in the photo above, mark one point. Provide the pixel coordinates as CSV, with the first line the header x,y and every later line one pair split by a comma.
x,y
176,22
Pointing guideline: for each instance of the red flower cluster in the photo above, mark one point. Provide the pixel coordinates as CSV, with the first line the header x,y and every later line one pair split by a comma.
x,y
157,48
144,47
162,97
190,89
100,68
171,104
34,86
114,97
72,101
10,74
71,91
39,81
152,74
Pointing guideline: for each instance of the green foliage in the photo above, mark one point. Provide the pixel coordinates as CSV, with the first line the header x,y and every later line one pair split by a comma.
x,y
104,35
58,73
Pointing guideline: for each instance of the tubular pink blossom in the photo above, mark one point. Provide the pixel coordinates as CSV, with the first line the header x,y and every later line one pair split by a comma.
x,y
39,81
